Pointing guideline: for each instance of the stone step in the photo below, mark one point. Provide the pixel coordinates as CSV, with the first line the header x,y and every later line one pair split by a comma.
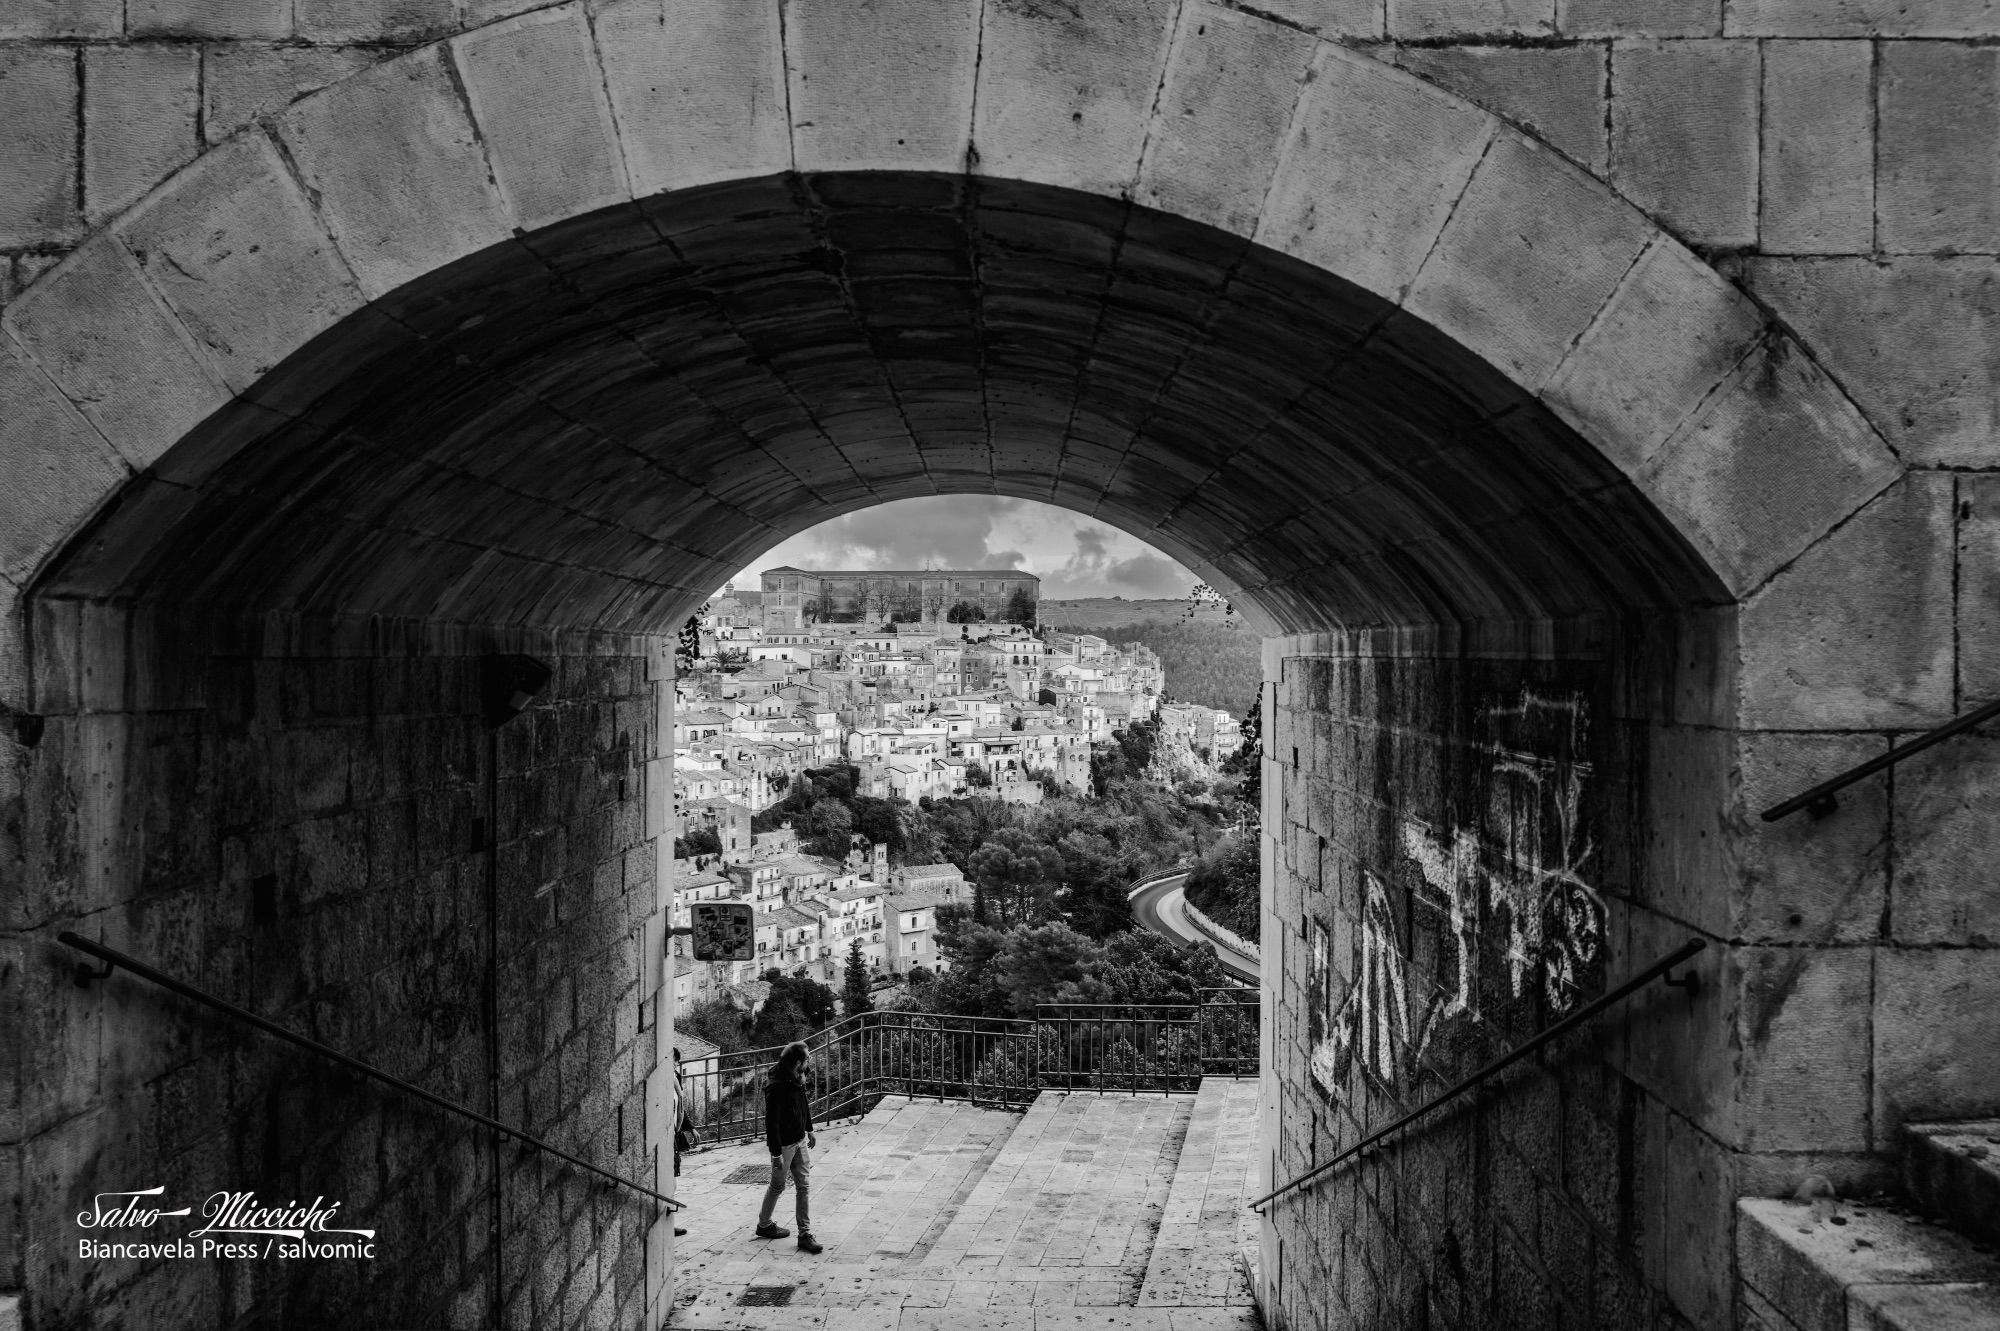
x,y
1196,1259
1952,1171
1832,1265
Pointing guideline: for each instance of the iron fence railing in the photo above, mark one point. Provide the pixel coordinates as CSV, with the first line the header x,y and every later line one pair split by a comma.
x,y
1133,1049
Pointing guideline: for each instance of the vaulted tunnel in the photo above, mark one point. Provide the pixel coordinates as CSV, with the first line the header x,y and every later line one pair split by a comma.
x,y
596,423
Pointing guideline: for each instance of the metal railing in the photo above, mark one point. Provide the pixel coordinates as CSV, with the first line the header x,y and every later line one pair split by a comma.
x,y
116,960
1000,1061
1821,798
1658,969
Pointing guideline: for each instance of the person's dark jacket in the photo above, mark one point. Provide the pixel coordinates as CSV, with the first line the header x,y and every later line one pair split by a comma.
x,y
787,1116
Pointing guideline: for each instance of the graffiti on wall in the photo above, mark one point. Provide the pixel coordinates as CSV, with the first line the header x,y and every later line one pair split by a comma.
x,y
1500,901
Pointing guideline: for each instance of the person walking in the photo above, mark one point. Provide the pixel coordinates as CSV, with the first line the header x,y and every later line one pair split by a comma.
x,y
788,1132
685,1137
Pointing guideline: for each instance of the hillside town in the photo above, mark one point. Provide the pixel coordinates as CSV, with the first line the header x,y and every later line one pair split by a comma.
x,y
929,685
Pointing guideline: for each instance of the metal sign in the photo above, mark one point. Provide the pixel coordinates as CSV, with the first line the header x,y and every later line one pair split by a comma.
x,y
723,931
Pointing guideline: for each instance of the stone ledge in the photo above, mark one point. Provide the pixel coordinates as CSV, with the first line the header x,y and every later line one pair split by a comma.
x,y
1839,1266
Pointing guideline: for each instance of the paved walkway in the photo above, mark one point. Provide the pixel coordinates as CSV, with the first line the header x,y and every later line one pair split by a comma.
x,y
1196,1258
946,1215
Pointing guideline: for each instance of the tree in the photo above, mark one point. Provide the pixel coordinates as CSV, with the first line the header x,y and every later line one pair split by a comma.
x,y
1223,885
687,647
965,612
1018,874
779,1021
717,1022
854,995
813,1000
701,841
1020,607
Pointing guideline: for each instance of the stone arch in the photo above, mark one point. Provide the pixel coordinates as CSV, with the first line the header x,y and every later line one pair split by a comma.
x,y
176,313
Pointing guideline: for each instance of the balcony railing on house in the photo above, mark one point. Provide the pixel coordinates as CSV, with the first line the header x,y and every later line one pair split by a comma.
x,y
1126,1049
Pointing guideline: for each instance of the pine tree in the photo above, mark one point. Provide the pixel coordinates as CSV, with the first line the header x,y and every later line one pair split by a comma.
x,y
854,995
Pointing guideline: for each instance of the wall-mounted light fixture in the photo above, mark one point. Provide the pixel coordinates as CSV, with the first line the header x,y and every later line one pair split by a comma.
x,y
508,683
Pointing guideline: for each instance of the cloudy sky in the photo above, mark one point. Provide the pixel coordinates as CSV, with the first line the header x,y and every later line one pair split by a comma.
x,y
1074,555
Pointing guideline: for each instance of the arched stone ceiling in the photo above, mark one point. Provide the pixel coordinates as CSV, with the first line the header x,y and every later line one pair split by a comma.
x,y
597,422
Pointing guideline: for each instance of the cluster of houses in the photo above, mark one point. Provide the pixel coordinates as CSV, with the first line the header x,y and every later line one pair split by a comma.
x,y
942,697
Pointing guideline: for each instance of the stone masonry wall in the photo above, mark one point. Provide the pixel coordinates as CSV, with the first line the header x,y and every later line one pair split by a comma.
x,y
304,821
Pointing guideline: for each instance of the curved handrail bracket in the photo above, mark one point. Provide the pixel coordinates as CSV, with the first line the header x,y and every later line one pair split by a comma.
x,y
1632,986
1823,799
112,958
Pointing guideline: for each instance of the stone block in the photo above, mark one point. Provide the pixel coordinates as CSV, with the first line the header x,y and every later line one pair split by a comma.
x,y
539,99
373,20
1531,253
1064,100
1232,81
1555,92
881,85
1766,466
1684,136
700,98
1670,333
1858,631
1806,1258
1698,1185
1942,1307
1913,340
1862,18
1817,158
1937,186
1802,1023
1808,881
1947,823
1329,18
58,468
1375,161
1639,18
1978,589
97,330
1470,18
268,20
139,112
242,83
30,19
38,88
1935,1055
233,247
397,170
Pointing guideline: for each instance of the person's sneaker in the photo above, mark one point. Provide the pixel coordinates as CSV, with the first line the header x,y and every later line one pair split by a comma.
x,y
807,1243
679,1232
767,1230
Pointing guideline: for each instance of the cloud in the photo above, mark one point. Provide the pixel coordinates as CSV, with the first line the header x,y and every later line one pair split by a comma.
x,y
1074,555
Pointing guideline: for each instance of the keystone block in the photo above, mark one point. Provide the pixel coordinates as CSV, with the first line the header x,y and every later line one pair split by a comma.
x,y
1231,84
38,107
1684,136
1064,101
698,100
539,98
397,170
103,337
1939,181
1529,257
1818,151
882,85
1375,162
234,248
139,106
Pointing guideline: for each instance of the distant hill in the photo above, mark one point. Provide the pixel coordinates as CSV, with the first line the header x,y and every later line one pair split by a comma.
x,y
1210,658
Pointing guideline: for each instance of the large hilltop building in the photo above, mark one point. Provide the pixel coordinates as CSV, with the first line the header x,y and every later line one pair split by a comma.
x,y
796,597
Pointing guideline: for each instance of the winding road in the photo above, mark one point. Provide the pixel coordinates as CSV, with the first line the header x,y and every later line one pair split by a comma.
x,y
1157,904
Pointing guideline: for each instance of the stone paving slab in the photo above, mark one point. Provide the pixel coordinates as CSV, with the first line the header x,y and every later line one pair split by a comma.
x,y
933,1213
1196,1258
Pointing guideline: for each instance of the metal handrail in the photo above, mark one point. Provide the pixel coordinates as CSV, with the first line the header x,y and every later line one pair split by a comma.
x,y
116,959
1512,1056
1820,799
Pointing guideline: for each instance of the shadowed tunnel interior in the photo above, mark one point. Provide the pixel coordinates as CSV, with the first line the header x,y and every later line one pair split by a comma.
x,y
597,423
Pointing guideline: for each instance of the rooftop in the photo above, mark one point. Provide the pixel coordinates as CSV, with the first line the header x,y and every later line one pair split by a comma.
x,y
902,572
